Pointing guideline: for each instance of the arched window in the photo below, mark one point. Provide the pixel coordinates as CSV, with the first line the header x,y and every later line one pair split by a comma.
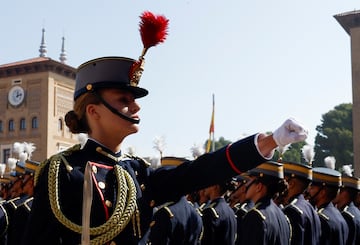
x,y
60,125
22,124
34,122
11,125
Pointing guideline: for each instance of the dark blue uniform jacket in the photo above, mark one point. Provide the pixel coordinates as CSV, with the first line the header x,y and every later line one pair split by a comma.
x,y
153,187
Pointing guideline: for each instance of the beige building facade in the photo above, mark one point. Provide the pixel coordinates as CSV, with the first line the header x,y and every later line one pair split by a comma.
x,y
35,95
350,21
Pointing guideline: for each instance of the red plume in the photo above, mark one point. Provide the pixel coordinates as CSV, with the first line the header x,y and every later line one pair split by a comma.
x,y
153,29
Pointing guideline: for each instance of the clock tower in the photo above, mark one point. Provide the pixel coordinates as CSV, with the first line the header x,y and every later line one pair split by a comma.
x,y
35,95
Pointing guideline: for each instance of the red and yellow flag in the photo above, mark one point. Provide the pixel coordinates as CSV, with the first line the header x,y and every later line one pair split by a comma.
x,y
211,141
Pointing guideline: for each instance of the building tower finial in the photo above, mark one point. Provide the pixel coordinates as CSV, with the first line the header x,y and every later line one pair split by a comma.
x,y
63,53
42,49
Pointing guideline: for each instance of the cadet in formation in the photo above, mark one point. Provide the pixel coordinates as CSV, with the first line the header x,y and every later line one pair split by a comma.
x,y
344,201
95,194
176,223
305,222
239,203
218,217
265,223
322,191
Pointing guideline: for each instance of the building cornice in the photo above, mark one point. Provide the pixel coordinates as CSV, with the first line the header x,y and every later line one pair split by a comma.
x,y
35,65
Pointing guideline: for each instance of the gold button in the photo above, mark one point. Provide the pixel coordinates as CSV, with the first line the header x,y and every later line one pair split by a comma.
x,y
108,204
101,185
94,169
88,87
142,187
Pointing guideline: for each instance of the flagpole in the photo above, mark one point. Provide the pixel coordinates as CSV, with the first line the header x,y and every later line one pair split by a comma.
x,y
211,141
213,125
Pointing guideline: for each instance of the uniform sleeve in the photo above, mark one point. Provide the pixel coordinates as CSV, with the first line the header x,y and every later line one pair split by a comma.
x,y
208,169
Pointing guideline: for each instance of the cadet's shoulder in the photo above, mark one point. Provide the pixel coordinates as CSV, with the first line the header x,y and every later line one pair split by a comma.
x,y
255,213
57,159
346,212
211,210
323,214
293,206
166,209
136,162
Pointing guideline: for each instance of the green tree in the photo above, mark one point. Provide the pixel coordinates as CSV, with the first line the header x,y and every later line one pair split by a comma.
x,y
334,137
220,143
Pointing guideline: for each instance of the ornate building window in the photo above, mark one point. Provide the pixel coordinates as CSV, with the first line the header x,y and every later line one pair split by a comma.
x,y
34,122
22,124
5,155
11,125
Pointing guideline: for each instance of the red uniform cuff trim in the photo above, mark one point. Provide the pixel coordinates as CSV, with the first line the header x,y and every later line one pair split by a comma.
x,y
232,165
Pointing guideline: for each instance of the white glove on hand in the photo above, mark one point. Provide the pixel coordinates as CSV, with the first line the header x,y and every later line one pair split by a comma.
x,y
289,132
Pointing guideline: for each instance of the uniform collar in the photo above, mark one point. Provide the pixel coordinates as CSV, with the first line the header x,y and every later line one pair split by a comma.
x,y
94,146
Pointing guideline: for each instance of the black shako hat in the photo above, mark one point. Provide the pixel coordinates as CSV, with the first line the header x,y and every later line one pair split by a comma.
x,y
298,170
270,169
120,72
109,72
350,182
326,177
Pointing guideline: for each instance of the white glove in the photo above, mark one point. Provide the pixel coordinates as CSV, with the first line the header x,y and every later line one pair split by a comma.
x,y
289,132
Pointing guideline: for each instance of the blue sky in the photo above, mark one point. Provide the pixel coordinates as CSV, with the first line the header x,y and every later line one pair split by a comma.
x,y
265,61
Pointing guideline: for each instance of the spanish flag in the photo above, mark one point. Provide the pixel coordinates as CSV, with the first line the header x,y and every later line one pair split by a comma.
x,y
211,141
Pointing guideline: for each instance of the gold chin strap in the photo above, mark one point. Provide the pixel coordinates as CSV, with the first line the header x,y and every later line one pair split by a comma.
x,y
125,207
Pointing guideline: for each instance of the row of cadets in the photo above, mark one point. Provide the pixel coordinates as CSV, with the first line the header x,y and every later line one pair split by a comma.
x,y
344,201
22,211
14,195
20,186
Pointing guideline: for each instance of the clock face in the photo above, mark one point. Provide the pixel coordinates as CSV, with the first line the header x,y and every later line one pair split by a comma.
x,y
16,95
